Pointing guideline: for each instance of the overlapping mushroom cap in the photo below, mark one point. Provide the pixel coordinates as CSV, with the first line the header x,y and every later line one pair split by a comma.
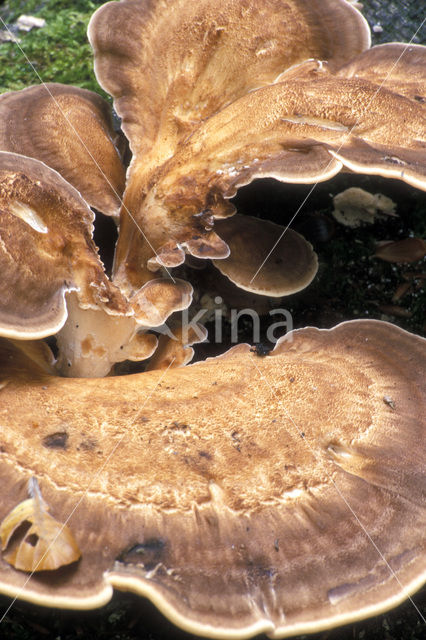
x,y
237,92
395,66
292,268
70,130
241,494
46,252
240,92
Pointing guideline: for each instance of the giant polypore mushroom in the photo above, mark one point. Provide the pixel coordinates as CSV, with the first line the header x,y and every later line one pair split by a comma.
x,y
237,93
292,267
242,495
46,253
240,92
70,130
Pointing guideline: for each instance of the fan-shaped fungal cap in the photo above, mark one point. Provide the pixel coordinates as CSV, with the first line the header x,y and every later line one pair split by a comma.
x,y
274,130
46,250
70,130
291,266
187,59
395,66
166,85
241,494
295,131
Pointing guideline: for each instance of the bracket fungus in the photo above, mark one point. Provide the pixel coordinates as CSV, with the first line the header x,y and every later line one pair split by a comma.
x,y
46,252
76,138
232,510
235,94
213,489
292,267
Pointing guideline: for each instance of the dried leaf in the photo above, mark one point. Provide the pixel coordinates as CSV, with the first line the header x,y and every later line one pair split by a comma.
x,y
46,545
401,290
407,250
394,310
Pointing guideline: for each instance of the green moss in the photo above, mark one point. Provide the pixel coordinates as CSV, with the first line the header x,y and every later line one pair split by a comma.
x,y
58,52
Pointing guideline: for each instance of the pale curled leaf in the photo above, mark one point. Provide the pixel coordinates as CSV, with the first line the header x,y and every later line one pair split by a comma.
x,y
406,250
46,545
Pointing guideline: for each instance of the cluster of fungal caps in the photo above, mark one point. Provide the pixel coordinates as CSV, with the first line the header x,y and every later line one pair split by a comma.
x,y
219,504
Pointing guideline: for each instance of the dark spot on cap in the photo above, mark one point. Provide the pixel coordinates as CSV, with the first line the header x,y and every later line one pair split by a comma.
x,y
258,571
57,440
261,349
148,553
89,444
180,426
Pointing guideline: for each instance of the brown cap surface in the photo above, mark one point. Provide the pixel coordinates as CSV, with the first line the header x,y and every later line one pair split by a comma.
x,y
288,130
291,266
297,131
171,65
46,250
395,66
242,494
70,130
